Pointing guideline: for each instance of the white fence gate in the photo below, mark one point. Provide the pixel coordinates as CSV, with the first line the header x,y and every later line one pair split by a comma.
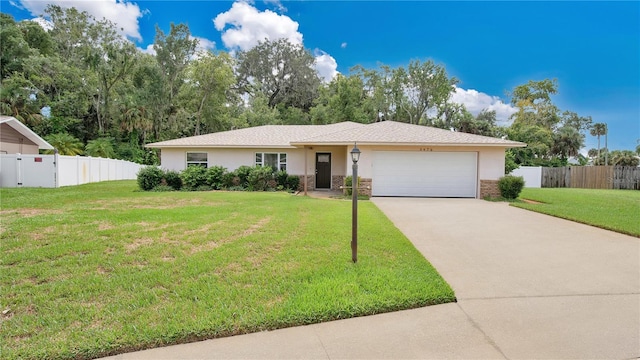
x,y
52,171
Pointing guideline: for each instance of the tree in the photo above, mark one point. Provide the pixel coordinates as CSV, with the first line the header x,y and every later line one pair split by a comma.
x,y
534,104
282,71
342,99
100,147
257,113
13,47
377,87
598,129
623,158
539,141
420,88
65,144
173,53
567,142
207,92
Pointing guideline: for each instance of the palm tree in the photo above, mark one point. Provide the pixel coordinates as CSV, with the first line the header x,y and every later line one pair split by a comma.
x,y
598,129
101,147
567,142
65,144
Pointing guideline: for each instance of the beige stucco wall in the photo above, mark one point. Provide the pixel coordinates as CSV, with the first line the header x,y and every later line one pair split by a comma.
x,y
12,142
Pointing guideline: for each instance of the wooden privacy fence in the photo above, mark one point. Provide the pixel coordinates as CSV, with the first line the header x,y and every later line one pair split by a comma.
x,y
592,177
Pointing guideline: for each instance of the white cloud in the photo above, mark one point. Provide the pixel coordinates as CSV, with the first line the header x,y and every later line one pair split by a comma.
x,y
122,13
326,65
44,23
148,50
204,44
244,26
277,4
343,45
476,101
248,26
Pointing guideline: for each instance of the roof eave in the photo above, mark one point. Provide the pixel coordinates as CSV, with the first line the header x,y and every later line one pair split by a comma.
x,y
28,133
223,146
374,143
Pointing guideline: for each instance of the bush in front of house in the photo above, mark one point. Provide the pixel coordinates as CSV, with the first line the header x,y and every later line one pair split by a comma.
x,y
241,176
510,186
348,184
172,179
198,178
293,182
259,178
149,177
217,177
281,178
194,177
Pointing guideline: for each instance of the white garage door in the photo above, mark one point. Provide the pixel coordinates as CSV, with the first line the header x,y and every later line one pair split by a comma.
x,y
428,174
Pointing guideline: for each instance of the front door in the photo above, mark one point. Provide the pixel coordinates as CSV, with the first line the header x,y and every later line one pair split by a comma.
x,y
323,170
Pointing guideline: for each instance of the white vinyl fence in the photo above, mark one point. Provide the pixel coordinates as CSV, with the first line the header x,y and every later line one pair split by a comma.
x,y
532,175
52,171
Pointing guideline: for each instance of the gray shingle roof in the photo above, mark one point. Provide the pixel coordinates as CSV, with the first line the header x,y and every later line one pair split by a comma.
x,y
397,133
259,136
344,133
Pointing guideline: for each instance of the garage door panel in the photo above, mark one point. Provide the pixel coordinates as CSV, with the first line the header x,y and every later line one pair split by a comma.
x,y
436,174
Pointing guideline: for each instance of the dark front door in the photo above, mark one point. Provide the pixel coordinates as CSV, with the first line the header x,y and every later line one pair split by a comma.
x,y
323,171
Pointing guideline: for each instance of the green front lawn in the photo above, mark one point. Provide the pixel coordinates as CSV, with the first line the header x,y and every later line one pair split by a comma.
x,y
617,210
101,268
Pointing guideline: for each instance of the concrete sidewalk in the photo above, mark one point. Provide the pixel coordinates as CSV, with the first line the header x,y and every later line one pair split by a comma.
x,y
528,286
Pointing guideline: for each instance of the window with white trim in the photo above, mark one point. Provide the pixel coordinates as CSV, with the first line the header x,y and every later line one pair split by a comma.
x,y
197,159
277,161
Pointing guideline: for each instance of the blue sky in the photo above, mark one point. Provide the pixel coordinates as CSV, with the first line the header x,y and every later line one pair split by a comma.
x,y
592,48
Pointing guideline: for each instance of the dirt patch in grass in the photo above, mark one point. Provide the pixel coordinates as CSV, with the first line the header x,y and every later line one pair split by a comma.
x,y
214,244
257,226
29,212
155,204
138,243
531,201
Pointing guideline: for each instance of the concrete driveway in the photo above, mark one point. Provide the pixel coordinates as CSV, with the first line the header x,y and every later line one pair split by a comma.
x,y
528,286
535,285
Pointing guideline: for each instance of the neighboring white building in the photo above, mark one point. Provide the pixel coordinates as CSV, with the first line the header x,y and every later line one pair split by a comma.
x,y
17,138
397,159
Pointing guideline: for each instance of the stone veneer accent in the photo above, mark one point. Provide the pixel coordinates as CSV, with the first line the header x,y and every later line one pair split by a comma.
x,y
489,188
337,181
365,187
311,182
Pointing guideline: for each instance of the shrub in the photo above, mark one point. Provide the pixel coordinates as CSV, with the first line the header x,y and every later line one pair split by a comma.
x,y
348,183
194,177
293,182
281,178
203,188
259,177
227,180
216,177
243,175
510,186
149,177
172,179
163,188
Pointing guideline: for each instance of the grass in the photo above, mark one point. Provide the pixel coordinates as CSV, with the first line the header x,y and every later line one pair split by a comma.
x,y
101,269
615,210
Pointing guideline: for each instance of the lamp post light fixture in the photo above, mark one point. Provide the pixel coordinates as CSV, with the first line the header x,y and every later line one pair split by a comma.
x,y
355,156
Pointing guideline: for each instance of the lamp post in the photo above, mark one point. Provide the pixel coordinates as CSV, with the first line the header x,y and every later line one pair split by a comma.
x,y
355,156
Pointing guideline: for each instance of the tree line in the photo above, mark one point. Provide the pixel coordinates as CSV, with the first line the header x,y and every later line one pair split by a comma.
x,y
87,90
